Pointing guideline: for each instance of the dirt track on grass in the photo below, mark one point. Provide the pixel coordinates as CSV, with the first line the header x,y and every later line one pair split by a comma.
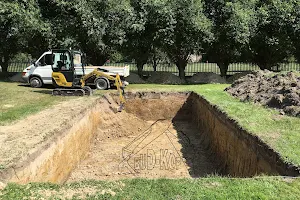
x,y
27,136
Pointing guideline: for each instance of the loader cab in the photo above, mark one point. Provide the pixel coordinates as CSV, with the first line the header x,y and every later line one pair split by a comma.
x,y
64,63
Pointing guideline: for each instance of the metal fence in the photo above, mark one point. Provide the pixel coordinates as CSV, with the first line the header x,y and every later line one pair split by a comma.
x,y
193,68
190,70
17,66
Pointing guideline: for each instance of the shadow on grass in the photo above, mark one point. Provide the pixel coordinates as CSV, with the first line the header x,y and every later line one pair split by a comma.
x,y
45,86
44,91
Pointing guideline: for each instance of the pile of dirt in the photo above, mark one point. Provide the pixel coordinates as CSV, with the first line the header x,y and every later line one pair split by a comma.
x,y
135,79
17,78
206,77
280,91
237,76
164,78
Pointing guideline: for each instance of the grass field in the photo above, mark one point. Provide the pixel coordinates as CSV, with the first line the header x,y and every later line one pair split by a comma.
x,y
204,188
280,132
18,100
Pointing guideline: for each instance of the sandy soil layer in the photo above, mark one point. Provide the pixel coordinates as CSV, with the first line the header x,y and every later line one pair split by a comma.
x,y
25,137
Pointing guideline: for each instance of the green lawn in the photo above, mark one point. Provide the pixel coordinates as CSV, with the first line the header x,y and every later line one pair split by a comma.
x,y
18,101
204,188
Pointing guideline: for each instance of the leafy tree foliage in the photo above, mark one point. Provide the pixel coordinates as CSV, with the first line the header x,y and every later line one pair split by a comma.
x,y
264,32
20,23
271,44
190,32
90,25
294,27
233,24
147,28
101,28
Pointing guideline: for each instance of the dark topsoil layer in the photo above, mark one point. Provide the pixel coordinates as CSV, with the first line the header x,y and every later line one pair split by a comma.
x,y
280,91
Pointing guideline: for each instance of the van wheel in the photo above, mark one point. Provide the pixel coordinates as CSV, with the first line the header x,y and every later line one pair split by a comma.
x,y
36,82
101,84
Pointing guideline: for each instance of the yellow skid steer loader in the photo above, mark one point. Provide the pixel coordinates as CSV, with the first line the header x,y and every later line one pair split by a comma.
x,y
68,83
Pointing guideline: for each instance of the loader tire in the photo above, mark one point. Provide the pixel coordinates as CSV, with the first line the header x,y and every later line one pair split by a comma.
x,y
88,91
101,84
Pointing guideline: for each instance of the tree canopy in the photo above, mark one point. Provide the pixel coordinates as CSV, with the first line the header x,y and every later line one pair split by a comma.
x,y
20,23
226,31
191,31
233,24
271,43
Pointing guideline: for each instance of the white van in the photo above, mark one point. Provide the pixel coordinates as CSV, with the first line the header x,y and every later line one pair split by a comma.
x,y
39,73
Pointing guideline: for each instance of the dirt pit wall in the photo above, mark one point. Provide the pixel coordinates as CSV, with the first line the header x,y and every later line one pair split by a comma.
x,y
234,151
239,153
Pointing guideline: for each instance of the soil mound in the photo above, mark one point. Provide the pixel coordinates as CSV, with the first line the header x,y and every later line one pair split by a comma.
x,y
206,77
134,79
164,78
17,77
280,91
237,76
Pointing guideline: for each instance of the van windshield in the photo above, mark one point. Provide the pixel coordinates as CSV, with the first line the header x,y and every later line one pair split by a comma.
x,y
77,60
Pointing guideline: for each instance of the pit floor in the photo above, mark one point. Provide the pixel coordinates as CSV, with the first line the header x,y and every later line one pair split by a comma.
x,y
129,146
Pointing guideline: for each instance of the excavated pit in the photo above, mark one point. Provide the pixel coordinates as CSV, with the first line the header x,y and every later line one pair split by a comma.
x,y
153,138
159,135
175,135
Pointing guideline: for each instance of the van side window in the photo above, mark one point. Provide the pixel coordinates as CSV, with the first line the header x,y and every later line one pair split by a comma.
x,y
41,61
46,60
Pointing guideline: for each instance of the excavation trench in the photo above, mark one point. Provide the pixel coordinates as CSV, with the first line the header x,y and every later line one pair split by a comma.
x,y
175,135
159,135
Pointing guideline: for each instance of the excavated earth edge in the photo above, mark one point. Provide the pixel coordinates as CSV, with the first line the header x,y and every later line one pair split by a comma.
x,y
55,160
241,153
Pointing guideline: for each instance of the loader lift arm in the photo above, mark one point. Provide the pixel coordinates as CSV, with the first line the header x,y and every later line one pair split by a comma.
x,y
117,81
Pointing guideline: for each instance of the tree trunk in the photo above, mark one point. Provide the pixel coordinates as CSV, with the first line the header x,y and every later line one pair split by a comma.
x,y
181,65
182,72
4,67
154,62
264,66
140,66
223,68
4,64
154,65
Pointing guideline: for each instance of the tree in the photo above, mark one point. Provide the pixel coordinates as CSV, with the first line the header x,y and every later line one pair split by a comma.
x,y
62,17
294,28
93,26
233,24
19,22
148,28
101,27
271,44
190,32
